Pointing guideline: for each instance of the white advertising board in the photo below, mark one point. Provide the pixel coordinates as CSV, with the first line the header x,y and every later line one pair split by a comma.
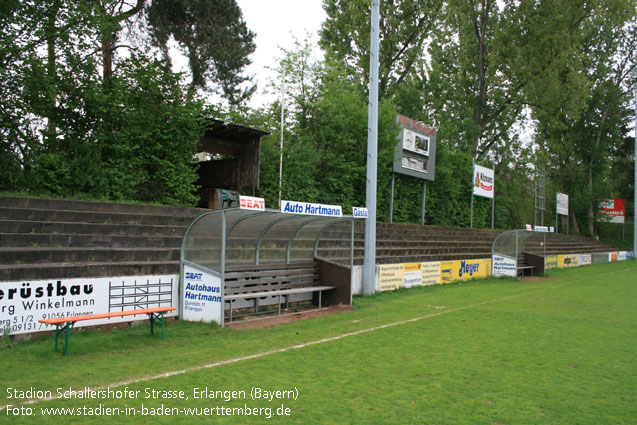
x,y
24,303
201,296
306,208
562,203
251,203
504,266
483,179
358,212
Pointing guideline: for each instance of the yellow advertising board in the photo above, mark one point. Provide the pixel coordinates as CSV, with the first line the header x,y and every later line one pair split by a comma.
x,y
452,271
391,276
567,260
446,271
431,273
550,262
394,276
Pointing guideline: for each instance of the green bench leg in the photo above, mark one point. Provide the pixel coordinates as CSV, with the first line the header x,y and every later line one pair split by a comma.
x,y
160,319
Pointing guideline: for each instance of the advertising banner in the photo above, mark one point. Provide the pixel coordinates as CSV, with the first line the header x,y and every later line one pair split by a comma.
x,y
24,303
621,255
358,212
251,203
613,210
612,256
504,266
412,275
567,260
201,296
306,208
550,262
390,276
629,255
483,179
584,259
562,203
601,257
446,271
431,273
452,271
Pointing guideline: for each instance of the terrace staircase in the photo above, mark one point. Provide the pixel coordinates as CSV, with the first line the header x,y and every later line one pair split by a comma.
x,y
404,243
49,239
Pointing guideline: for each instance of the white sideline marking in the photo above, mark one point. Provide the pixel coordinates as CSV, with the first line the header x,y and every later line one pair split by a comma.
x,y
308,344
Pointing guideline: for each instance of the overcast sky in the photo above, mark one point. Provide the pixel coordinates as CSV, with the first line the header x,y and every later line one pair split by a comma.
x,y
275,22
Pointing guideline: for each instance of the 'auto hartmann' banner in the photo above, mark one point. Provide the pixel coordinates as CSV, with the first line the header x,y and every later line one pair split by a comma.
x,y
613,209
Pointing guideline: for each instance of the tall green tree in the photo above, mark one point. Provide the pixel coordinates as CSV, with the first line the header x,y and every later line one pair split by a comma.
x,y
582,142
213,36
405,26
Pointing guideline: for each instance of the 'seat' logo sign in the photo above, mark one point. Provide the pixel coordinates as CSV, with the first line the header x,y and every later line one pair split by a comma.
x,y
251,203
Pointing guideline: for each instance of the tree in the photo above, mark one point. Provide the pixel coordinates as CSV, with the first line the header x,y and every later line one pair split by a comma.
x,y
404,28
582,142
214,38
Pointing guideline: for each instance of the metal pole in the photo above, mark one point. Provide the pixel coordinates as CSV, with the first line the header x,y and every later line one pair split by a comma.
x,y
473,172
369,265
471,222
556,228
282,117
391,199
635,183
424,199
493,212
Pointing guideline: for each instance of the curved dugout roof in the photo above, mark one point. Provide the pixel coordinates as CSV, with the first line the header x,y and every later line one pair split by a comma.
x,y
237,236
512,242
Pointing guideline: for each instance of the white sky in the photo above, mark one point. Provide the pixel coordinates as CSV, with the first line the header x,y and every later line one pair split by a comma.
x,y
275,22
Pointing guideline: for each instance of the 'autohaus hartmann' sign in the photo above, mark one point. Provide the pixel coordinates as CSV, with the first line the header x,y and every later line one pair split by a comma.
x,y
306,208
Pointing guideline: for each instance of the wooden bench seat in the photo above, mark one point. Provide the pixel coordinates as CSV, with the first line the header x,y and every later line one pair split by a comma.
x,y
66,324
262,281
521,269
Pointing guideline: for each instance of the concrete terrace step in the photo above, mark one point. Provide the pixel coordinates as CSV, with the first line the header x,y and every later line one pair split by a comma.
x,y
87,240
45,227
22,272
61,204
31,255
92,217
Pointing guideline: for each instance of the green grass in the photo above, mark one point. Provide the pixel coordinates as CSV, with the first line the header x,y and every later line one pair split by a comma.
x,y
494,351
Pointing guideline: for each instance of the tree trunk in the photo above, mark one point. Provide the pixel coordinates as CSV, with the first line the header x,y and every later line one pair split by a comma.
x,y
109,33
574,220
591,221
51,37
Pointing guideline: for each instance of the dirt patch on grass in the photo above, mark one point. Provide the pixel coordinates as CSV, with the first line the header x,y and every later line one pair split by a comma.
x,y
291,315
535,278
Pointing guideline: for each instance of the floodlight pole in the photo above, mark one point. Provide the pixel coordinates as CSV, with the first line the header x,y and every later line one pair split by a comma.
x,y
369,264
635,182
281,152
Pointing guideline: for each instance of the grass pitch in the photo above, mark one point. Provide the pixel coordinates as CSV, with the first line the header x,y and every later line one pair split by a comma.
x,y
496,351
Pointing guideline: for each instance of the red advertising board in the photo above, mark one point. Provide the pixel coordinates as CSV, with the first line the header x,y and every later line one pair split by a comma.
x,y
614,209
